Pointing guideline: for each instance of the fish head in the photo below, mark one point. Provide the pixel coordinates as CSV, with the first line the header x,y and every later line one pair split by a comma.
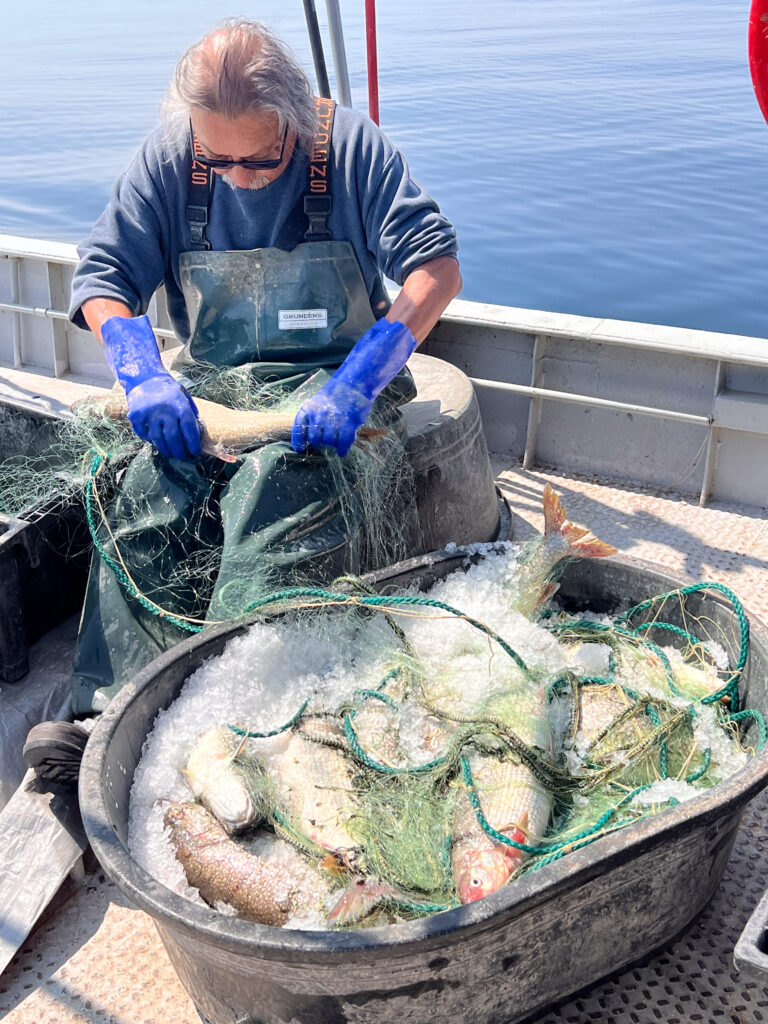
x,y
478,873
190,819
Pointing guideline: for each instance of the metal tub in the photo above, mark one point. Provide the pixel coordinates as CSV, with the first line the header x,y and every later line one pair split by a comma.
x,y
500,959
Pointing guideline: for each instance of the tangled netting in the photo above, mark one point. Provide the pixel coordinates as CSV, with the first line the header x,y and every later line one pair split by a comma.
x,y
85,458
543,763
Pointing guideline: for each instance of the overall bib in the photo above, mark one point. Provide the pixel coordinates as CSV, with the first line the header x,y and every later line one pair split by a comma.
x,y
201,540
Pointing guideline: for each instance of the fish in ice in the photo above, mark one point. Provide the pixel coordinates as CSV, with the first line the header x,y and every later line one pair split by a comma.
x,y
225,432
314,783
513,802
232,785
561,539
266,890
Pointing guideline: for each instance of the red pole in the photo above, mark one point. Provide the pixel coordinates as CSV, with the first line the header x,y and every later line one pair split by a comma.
x,y
373,70
758,52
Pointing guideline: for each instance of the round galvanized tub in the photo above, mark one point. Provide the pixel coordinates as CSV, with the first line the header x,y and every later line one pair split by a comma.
x,y
498,960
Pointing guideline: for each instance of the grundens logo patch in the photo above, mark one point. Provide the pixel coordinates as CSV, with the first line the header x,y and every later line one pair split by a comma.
x,y
301,319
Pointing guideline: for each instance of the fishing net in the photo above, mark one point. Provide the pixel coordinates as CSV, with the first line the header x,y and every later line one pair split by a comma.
x,y
595,753
160,531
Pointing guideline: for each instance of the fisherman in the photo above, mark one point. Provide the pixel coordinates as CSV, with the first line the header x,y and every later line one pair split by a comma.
x,y
270,216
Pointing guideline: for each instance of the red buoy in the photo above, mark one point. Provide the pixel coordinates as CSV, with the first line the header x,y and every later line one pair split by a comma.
x,y
758,52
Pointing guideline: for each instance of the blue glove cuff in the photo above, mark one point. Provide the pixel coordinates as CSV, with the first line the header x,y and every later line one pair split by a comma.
x,y
131,350
377,357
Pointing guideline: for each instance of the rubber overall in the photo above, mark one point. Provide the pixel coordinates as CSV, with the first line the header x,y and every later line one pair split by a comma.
x,y
202,540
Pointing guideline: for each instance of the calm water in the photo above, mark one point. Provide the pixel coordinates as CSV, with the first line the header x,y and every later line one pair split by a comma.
x,y
600,158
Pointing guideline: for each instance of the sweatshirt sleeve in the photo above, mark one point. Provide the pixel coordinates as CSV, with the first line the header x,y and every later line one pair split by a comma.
x,y
126,254
403,224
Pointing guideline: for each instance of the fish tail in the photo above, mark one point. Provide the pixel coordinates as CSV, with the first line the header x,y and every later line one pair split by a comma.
x,y
579,539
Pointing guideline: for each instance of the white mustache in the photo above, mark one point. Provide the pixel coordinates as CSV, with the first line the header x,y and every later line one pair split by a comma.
x,y
259,182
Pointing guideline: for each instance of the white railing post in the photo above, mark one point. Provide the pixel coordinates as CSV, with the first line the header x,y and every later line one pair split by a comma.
x,y
534,408
14,265
59,300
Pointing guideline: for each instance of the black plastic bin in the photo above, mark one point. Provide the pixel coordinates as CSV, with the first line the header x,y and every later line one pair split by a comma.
x,y
549,934
43,552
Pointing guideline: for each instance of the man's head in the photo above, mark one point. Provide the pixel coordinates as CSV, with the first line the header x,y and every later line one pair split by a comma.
x,y
247,100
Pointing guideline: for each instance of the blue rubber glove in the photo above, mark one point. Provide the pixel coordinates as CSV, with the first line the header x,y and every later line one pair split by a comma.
x,y
333,416
159,408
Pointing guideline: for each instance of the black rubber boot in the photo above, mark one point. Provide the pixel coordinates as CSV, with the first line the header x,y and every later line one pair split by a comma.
x,y
54,750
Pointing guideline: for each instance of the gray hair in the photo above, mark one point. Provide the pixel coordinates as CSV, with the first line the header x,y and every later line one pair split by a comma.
x,y
238,68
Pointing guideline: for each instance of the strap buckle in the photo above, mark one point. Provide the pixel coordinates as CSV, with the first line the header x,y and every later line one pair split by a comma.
x,y
197,219
318,210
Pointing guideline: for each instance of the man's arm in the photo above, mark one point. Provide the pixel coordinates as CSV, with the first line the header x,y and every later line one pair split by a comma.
x,y
97,311
425,293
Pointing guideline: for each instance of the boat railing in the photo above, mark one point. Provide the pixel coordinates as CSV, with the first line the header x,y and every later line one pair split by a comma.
x,y
681,409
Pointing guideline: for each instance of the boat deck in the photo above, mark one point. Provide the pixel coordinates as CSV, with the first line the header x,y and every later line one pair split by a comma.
x,y
99,961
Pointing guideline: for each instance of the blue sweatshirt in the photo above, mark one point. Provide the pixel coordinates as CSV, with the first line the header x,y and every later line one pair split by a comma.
x,y
391,222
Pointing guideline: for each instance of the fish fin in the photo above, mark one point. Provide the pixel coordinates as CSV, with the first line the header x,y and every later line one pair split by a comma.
x,y
358,900
581,541
590,546
547,592
240,747
554,510
518,834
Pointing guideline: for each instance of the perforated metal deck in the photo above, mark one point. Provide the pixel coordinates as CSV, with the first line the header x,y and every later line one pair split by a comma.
x,y
98,961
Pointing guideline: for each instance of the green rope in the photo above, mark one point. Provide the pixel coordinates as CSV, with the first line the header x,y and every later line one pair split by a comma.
x,y
755,715
119,572
692,640
700,771
414,907
274,732
730,689
335,597
596,681
587,626
653,714
392,674
375,695
377,766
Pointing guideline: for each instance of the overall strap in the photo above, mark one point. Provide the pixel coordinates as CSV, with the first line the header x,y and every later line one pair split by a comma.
x,y
200,188
308,220
318,204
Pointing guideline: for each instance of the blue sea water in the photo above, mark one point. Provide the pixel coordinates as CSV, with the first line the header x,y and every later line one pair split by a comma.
x,y
606,159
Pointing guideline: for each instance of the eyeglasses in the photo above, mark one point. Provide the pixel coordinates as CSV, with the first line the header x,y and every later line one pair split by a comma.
x,y
224,165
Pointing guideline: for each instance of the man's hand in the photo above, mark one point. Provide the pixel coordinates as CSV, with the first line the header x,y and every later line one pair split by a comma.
x,y
333,416
161,411
159,408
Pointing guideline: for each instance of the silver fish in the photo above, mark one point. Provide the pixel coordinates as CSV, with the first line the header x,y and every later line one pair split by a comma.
x,y
232,786
225,431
